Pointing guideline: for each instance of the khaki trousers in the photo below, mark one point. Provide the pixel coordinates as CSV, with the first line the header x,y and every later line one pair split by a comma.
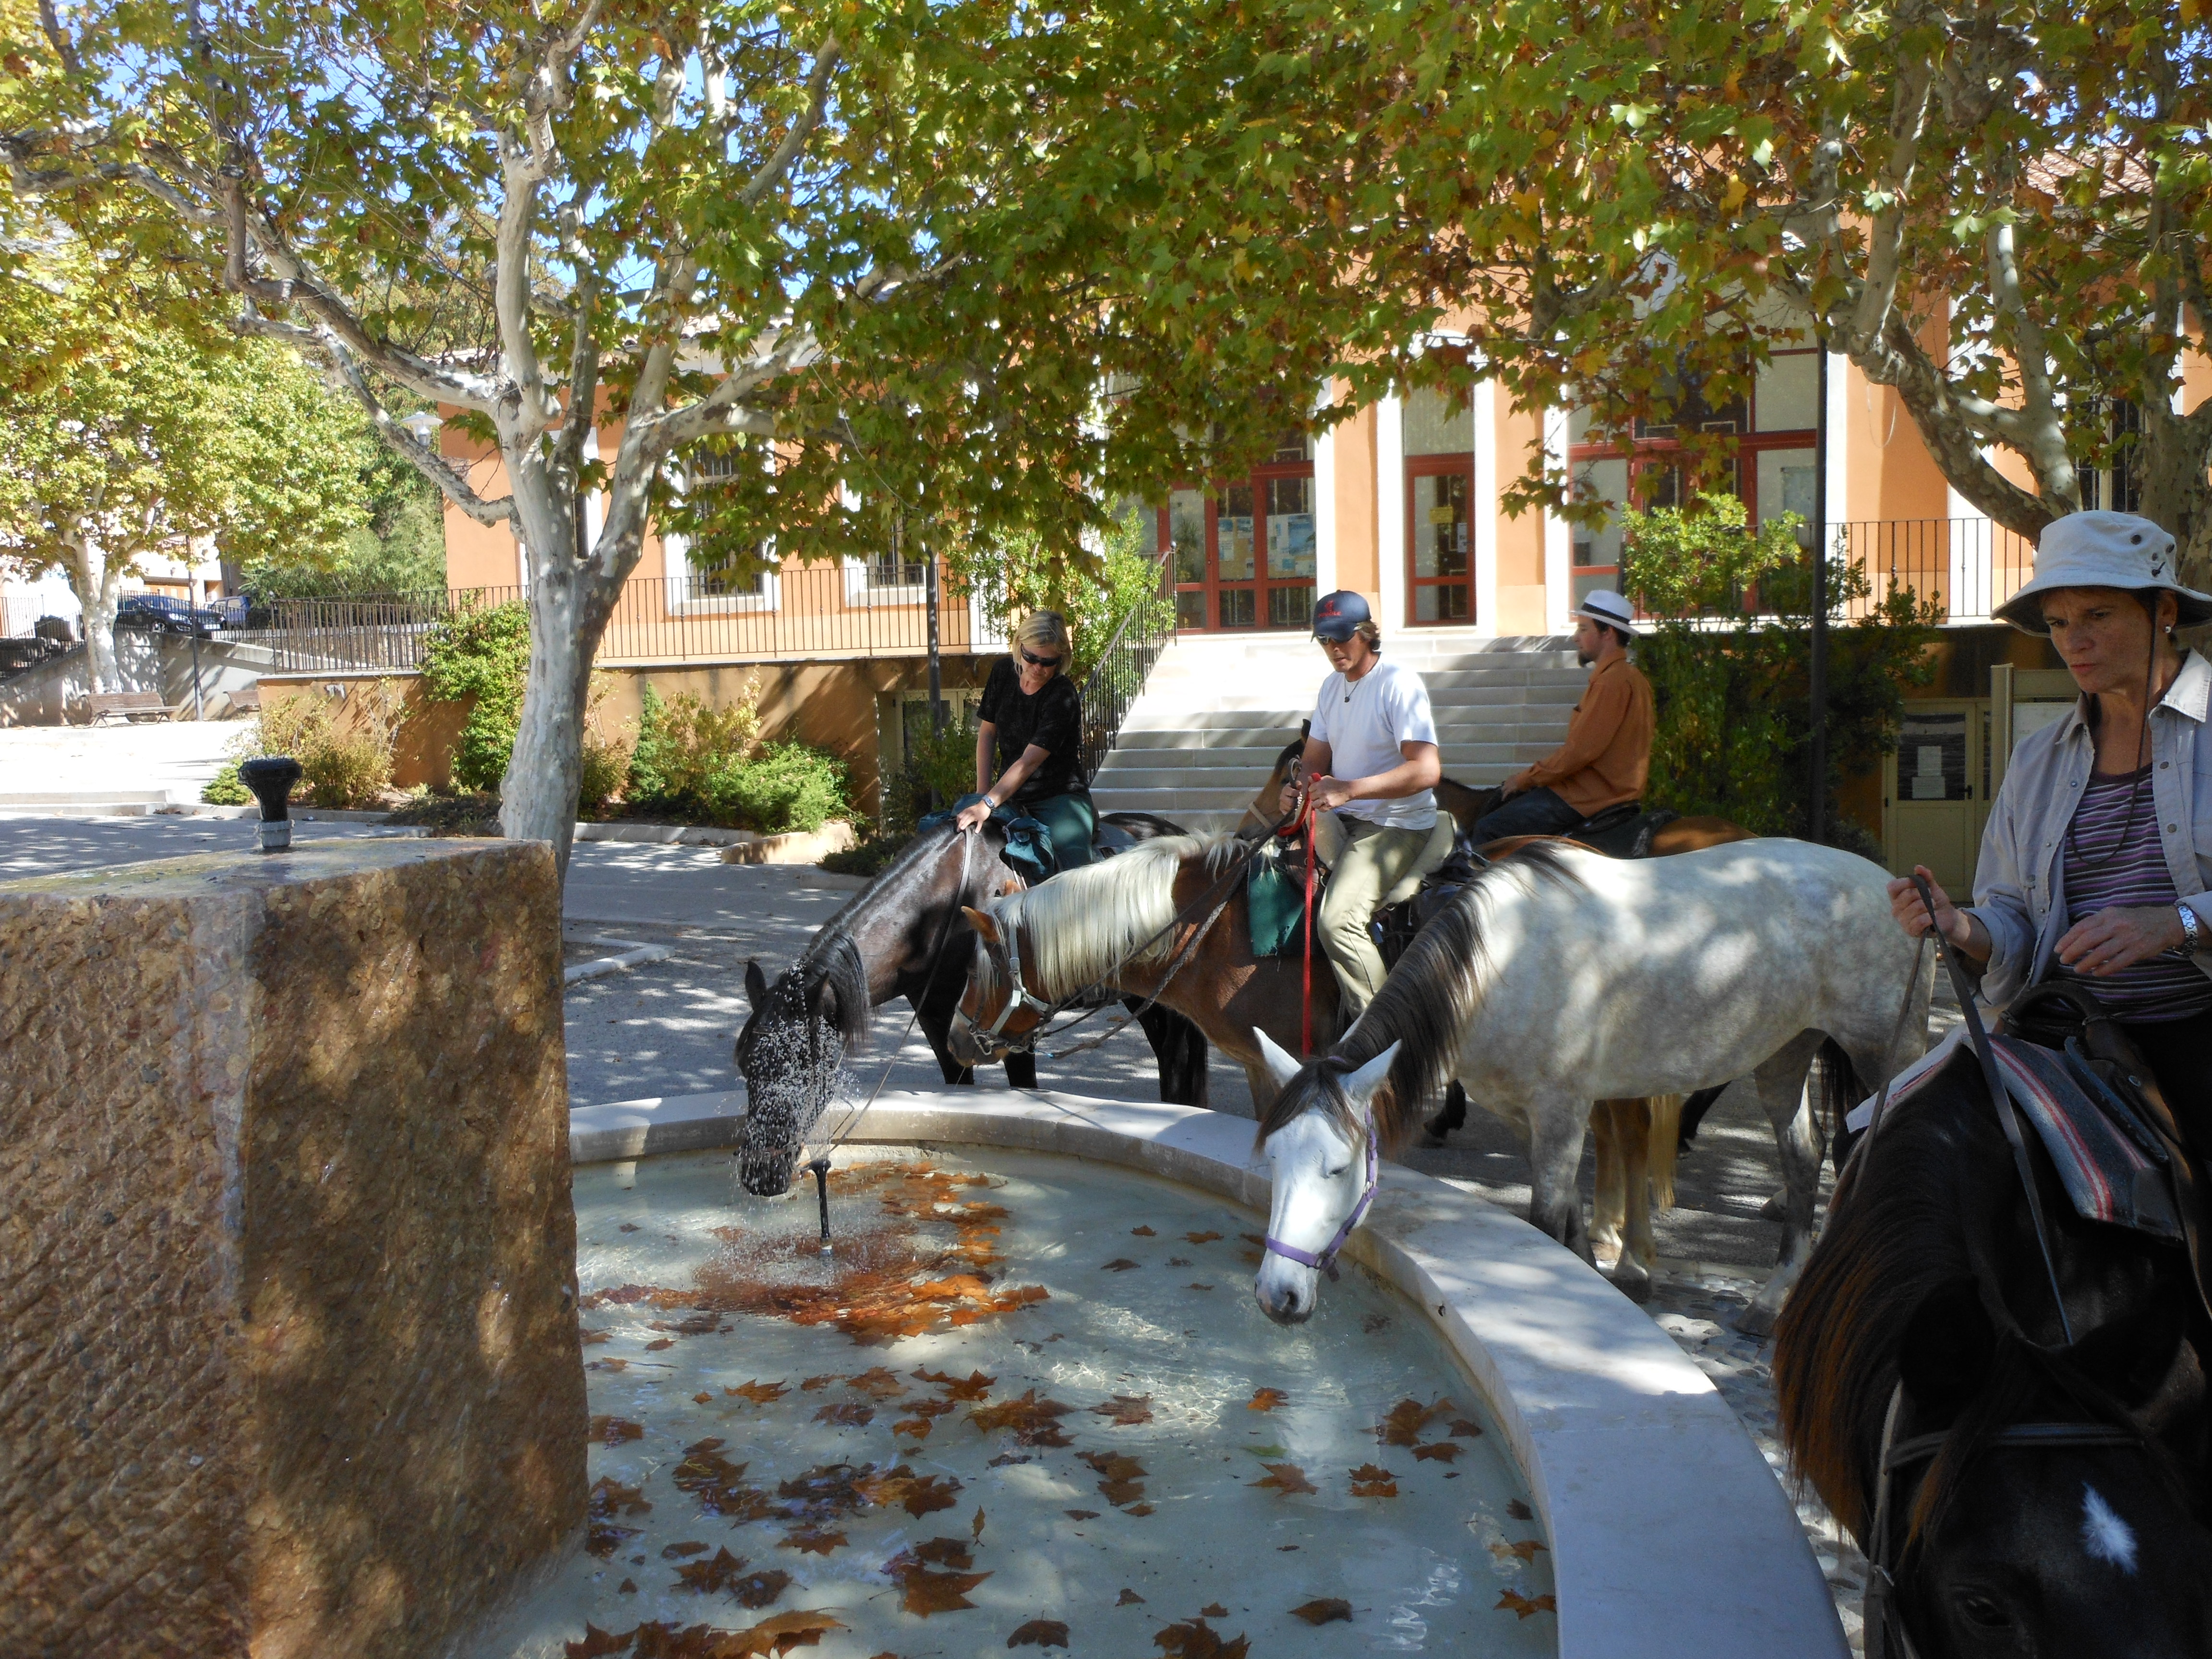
x,y
1365,861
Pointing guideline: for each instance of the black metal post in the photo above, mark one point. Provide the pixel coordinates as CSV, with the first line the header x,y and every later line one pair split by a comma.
x,y
821,1167
199,705
936,663
1816,816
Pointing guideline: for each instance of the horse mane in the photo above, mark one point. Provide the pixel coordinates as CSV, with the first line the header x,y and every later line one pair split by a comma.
x,y
1082,922
1424,1005
834,956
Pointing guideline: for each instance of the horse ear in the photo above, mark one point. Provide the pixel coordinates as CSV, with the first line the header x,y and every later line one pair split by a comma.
x,y
981,922
1362,1084
1282,1065
756,985
1948,1347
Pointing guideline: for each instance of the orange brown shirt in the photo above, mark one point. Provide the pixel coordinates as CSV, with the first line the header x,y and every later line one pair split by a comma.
x,y
1607,757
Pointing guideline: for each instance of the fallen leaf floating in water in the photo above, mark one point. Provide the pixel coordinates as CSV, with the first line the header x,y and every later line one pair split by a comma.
x,y
1525,1550
627,1227
809,1540
778,1633
946,1553
1373,1323
1371,1480
609,1498
1402,1426
925,1408
977,1530
1123,1481
918,1494
814,1383
588,1337
1142,1232
616,1430
1466,1430
628,1586
1129,1598
760,1589
924,1592
703,1398
877,1384
918,1427
1525,1605
1199,1640
1120,1264
1029,1419
1139,1510
1128,1411
1179,1261
1080,1515
849,1412
1213,1610
1519,1510
761,1394
1040,1633
659,1343
1328,1608
1265,1400
719,1484
710,1577
679,1552
597,1642
1440,1451
603,1538
1200,1287
1201,1238
1286,1479
975,1385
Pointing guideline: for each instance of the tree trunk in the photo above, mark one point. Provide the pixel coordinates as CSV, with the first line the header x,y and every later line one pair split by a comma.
x,y
537,797
94,579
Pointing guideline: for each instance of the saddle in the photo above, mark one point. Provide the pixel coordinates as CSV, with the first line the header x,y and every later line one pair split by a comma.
x,y
1274,893
1623,831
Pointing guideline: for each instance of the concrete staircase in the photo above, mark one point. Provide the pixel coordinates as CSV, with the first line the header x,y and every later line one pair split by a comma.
x,y
1217,709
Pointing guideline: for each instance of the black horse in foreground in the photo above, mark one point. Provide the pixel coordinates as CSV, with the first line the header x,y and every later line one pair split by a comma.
x,y
2085,1531
903,937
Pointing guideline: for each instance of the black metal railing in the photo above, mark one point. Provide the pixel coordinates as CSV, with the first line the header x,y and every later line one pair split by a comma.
x,y
1967,565
1117,679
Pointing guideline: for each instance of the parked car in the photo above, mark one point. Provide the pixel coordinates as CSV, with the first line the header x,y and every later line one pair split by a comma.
x,y
158,612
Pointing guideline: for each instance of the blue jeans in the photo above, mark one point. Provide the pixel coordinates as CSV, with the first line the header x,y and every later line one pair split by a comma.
x,y
1532,812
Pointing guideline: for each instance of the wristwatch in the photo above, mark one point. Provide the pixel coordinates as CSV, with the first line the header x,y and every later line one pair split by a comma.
x,y
2192,931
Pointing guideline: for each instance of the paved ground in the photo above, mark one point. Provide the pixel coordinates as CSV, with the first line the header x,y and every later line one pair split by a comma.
x,y
165,759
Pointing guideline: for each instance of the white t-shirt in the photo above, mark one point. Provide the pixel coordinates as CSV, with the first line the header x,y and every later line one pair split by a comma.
x,y
1362,723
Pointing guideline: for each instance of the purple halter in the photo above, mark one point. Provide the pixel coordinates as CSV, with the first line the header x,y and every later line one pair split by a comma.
x,y
1325,1258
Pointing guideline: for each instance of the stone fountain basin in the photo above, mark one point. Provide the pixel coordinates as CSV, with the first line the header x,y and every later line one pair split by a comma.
x,y
1669,1532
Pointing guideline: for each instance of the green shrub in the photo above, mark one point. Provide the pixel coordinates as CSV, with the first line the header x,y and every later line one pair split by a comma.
x,y
482,654
939,769
343,748
684,747
604,772
224,789
788,786
1729,665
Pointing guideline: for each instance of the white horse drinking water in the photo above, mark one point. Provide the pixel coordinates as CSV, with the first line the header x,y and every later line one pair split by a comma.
x,y
1558,977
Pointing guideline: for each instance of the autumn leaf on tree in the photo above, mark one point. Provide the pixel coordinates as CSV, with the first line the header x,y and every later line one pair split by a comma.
x,y
975,1385
1201,1238
1464,1429
1286,1479
850,1413
877,1384
616,1430
1120,1264
1372,1480
1519,1510
1525,1605
1123,1475
1127,1410
1324,1610
1265,1400
1199,1640
1040,1633
812,1540
924,1592
1441,1451
761,1394
1142,1232
1029,1419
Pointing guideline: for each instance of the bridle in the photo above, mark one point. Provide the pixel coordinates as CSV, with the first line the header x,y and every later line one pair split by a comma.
x,y
1324,1259
1886,1636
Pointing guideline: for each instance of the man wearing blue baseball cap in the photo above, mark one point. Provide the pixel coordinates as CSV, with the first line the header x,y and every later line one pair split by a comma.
x,y
1371,758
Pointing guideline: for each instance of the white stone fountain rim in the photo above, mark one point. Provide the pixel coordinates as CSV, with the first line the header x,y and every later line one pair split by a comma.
x,y
1669,1534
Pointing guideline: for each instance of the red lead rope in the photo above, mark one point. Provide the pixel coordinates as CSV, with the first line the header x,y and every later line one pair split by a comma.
x,y
1305,1002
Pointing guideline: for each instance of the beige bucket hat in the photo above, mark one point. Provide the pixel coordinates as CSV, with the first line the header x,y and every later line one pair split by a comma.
x,y
2102,549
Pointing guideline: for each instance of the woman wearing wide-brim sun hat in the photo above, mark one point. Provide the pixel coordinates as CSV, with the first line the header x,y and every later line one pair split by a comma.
x,y
2097,856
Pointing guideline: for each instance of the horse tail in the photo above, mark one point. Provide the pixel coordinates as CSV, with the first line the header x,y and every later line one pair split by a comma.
x,y
1840,1088
1693,1113
1665,1141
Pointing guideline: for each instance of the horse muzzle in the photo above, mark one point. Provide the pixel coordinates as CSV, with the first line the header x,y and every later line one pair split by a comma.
x,y
765,1172
1287,1294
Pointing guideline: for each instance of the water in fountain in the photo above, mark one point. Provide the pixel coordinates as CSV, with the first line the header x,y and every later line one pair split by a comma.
x,y
1029,1401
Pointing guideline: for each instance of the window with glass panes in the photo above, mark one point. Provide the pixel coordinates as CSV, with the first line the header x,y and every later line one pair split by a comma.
x,y
1439,509
1776,432
1244,551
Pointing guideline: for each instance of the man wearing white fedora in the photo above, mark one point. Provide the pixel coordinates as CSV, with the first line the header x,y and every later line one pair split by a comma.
x,y
2097,857
1607,757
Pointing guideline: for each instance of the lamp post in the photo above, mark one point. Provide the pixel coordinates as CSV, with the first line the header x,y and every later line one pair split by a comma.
x,y
1816,816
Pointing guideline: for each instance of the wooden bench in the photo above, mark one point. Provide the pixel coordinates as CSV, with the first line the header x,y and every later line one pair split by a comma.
x,y
246,700
131,706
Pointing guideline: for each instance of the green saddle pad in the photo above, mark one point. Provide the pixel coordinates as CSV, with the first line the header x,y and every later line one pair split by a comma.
x,y
1275,900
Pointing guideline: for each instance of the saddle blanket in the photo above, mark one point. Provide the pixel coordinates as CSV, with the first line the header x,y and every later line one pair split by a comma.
x,y
2111,1164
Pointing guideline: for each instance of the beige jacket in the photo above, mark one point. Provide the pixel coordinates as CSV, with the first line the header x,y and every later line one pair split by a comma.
x,y
2019,885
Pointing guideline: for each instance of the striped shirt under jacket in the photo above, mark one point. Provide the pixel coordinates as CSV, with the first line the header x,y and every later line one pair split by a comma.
x,y
2020,884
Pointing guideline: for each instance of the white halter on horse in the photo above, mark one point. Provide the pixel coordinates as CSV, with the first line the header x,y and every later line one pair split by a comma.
x,y
1558,977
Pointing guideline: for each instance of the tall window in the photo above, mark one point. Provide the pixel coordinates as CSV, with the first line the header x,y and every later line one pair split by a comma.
x,y
2116,487
1775,429
1440,510
705,471
1244,551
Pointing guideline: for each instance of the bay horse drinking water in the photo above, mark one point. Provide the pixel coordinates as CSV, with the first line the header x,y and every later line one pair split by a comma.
x,y
1557,976
900,937
1924,1327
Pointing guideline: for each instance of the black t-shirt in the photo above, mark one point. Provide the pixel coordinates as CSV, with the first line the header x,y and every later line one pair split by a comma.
x,y
1052,720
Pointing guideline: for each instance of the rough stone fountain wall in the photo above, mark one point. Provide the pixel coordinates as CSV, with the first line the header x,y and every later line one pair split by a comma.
x,y
288,1357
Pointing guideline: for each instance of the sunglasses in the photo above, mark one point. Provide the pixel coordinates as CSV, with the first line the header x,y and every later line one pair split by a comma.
x,y
1040,662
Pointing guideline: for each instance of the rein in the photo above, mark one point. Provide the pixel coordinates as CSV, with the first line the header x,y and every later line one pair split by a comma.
x,y
1325,1258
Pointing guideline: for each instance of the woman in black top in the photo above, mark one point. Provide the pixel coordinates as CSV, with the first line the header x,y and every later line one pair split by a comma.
x,y
1031,726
